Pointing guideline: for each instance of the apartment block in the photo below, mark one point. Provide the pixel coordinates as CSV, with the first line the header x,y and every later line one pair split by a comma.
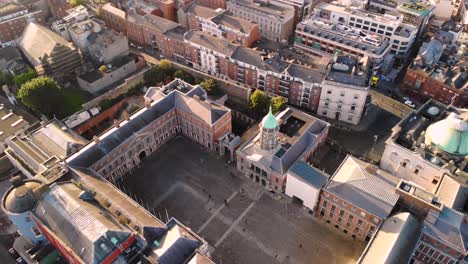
x,y
275,20
74,15
345,90
14,18
58,8
114,17
358,198
390,26
323,37
223,25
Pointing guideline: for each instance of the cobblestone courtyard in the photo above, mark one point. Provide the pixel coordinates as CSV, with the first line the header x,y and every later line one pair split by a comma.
x,y
186,181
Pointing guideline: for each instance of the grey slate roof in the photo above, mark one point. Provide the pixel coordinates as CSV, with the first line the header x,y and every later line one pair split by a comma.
x,y
233,22
249,56
305,73
205,111
449,226
201,11
365,186
211,42
80,224
9,53
309,174
159,23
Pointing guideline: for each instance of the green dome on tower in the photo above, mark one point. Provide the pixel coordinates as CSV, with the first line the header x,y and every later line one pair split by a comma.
x,y
269,121
449,135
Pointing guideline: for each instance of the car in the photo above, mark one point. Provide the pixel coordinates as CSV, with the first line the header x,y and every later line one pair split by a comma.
x,y
410,104
13,253
406,98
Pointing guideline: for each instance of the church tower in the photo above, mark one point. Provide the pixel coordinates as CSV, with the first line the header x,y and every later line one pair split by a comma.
x,y
269,128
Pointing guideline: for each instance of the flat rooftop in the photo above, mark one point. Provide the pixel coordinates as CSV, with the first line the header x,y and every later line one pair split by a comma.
x,y
10,122
277,11
346,70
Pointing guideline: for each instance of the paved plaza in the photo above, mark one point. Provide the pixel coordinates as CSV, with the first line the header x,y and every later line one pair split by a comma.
x,y
186,181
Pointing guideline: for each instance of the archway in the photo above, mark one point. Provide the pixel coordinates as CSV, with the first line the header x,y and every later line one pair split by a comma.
x,y
142,155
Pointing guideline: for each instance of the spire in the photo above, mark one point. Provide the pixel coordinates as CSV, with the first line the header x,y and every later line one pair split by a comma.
x,y
269,121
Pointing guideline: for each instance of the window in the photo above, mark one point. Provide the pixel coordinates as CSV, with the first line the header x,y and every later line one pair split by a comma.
x,y
36,231
356,230
403,164
435,181
359,222
359,20
324,113
366,23
340,219
353,19
330,215
333,208
451,261
322,213
350,218
421,247
363,214
441,257
329,92
416,171
426,259
341,212
348,224
431,252
342,94
371,229
325,203
350,118
353,107
376,220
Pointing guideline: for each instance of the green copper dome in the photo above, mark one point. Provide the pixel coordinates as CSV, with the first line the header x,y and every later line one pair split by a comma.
x,y
449,135
269,121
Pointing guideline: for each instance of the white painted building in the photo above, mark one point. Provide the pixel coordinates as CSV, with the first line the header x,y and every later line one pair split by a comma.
x,y
428,144
304,183
388,26
344,91
275,20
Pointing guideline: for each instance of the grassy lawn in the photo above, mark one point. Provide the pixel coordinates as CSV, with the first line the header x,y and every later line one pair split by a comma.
x,y
74,98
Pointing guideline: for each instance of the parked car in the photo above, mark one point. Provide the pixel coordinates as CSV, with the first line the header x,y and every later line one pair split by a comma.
x,y
13,253
410,104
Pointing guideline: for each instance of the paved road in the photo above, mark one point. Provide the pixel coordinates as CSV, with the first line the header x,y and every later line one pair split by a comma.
x,y
389,104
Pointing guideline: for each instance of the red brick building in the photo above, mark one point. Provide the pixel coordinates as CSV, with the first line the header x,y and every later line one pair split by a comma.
x,y
114,18
438,85
214,4
58,8
443,239
14,19
358,198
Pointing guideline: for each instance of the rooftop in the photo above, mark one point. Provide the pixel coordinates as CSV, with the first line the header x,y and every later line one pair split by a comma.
x,y
410,133
349,36
275,11
449,226
348,70
88,25
192,103
297,132
201,11
10,8
453,194
87,228
114,10
394,242
10,122
309,174
365,186
38,41
233,22
210,42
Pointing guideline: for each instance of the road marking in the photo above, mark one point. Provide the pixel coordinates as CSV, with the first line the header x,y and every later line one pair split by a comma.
x,y
215,213
234,225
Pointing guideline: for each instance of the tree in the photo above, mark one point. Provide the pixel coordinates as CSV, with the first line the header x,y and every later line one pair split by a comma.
x,y
259,103
43,94
6,79
159,73
187,77
210,86
277,104
74,3
22,78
